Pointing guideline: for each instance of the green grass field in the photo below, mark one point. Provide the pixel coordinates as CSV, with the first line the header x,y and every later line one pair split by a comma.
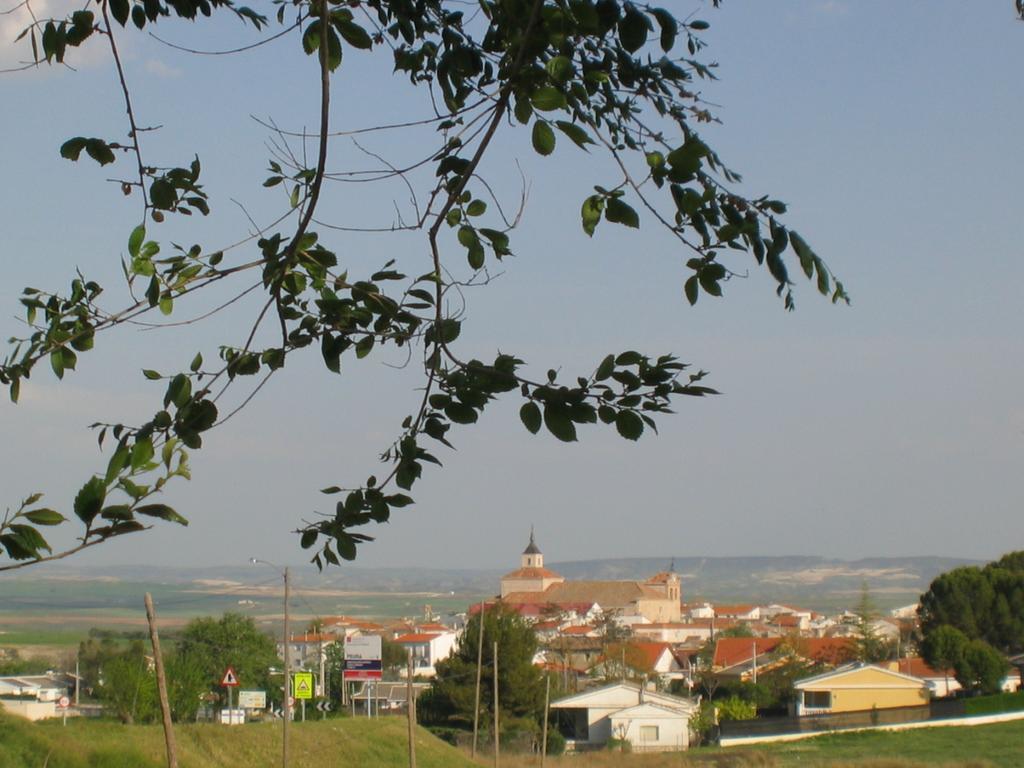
x,y
382,744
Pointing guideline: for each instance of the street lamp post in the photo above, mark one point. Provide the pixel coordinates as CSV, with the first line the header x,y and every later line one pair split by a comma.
x,y
287,662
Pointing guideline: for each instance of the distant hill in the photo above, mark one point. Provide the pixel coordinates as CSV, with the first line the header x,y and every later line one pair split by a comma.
x,y
814,582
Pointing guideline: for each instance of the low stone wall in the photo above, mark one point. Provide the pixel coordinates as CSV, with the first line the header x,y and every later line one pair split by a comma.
x,y
30,709
944,723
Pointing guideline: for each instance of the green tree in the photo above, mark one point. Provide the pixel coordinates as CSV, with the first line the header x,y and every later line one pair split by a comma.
x,y
983,603
393,657
520,684
128,686
186,683
871,647
980,667
735,708
943,647
212,645
614,78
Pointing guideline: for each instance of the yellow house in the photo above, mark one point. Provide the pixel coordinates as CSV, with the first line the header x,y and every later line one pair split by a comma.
x,y
857,687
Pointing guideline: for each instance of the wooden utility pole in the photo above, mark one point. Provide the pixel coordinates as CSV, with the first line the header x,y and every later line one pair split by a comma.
x,y
479,665
544,732
161,685
287,673
410,701
497,731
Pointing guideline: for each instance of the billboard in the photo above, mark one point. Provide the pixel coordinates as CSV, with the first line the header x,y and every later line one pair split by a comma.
x,y
363,658
363,669
252,699
363,647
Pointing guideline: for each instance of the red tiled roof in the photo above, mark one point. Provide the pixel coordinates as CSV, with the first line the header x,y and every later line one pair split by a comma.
x,y
433,627
917,667
578,630
651,651
730,651
531,573
785,620
415,637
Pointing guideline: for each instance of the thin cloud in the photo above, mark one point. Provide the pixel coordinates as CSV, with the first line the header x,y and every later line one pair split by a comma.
x,y
160,69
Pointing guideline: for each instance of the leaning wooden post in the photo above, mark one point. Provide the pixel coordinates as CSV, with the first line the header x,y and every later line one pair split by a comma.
x,y
497,731
161,685
544,732
479,664
410,701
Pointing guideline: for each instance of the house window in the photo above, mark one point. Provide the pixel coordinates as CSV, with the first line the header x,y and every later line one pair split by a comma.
x,y
648,733
817,699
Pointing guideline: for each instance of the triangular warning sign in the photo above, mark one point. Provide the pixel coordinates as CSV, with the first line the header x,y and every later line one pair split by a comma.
x,y
230,679
302,685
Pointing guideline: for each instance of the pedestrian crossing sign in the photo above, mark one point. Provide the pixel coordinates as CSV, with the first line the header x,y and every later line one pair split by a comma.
x,y
303,687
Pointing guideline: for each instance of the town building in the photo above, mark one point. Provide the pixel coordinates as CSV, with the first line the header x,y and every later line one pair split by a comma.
x,y
649,721
534,589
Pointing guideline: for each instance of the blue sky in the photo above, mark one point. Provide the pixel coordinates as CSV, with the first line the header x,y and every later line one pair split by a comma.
x,y
894,426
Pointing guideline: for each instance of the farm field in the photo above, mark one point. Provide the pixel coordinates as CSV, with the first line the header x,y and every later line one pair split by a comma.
x,y
382,744
39,617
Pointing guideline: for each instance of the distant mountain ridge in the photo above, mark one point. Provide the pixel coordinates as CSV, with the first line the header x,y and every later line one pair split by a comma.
x,y
812,581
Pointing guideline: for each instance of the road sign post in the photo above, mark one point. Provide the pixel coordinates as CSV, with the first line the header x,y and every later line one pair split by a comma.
x,y
229,681
64,702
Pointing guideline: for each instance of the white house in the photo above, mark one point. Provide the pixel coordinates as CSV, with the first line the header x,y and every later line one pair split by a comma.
x,y
428,648
651,728
647,719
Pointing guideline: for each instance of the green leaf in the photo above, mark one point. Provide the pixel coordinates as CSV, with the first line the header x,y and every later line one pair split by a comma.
x,y
476,208
197,362
333,50
593,206
163,195
804,253
629,425
99,151
474,250
57,363
142,453
460,413
161,511
556,419
89,499
543,138
151,375
560,69
135,240
45,517
548,98
311,37
309,538
576,134
354,34
604,370
669,28
531,417
72,148
691,287
621,213
120,9
633,28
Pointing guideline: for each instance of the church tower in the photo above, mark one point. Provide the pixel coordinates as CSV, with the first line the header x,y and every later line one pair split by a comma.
x,y
532,556
531,576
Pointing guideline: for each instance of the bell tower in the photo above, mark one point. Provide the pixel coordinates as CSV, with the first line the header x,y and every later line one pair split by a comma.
x,y
532,556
